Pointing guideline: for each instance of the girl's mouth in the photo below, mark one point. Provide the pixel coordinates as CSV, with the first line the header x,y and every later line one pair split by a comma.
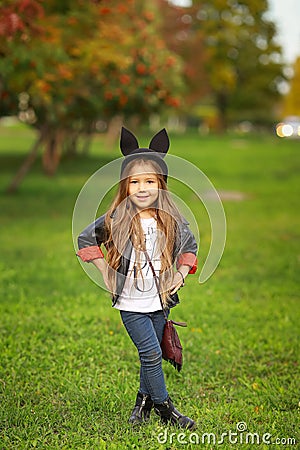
x,y
142,199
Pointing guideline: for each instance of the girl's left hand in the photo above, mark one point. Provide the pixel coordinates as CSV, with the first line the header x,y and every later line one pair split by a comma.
x,y
177,283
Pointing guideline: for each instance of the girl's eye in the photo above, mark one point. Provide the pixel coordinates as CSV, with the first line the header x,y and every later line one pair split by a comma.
x,y
147,181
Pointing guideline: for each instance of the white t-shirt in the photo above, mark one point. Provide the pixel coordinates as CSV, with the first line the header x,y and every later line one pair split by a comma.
x,y
140,294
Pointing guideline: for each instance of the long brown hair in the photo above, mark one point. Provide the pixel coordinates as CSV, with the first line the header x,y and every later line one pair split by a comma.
x,y
122,223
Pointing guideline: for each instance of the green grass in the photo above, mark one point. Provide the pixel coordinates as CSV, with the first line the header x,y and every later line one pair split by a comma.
x,y
69,372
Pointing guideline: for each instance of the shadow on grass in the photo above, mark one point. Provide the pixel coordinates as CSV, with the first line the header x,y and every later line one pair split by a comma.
x,y
78,164
40,196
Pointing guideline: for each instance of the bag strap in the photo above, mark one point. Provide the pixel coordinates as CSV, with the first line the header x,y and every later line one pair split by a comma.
x,y
180,324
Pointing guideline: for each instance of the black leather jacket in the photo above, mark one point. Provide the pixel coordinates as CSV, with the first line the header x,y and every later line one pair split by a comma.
x,y
91,238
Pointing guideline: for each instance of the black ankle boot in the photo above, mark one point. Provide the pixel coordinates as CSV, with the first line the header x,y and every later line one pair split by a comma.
x,y
142,409
168,413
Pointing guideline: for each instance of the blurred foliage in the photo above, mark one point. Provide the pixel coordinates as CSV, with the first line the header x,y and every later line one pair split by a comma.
x,y
64,65
292,100
67,65
230,57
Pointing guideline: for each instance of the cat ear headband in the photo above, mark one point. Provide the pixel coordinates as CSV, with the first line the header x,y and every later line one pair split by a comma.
x,y
157,150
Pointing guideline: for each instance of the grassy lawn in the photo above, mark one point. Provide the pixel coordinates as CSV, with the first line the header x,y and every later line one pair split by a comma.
x,y
68,371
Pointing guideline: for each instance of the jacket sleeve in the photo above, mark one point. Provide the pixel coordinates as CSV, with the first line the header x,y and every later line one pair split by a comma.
x,y
187,252
90,240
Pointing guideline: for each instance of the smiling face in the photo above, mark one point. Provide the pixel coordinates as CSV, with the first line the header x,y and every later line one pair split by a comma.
x,y
143,188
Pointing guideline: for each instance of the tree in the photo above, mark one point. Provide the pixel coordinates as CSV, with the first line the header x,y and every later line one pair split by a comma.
x,y
291,105
66,65
236,49
178,32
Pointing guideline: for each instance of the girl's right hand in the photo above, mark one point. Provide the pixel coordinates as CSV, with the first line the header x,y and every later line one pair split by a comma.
x,y
101,265
177,283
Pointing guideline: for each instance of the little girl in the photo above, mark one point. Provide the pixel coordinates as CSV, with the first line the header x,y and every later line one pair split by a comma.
x,y
143,218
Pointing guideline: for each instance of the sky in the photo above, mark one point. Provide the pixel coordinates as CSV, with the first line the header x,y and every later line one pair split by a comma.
x,y
286,15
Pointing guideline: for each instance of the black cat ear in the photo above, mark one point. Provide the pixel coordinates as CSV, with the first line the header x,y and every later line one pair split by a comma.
x,y
160,142
128,142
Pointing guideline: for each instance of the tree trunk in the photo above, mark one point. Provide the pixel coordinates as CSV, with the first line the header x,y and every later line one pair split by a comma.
x,y
52,153
221,102
86,144
113,131
24,169
70,143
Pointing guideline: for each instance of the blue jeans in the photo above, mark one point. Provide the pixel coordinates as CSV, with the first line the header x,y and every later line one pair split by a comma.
x,y
145,331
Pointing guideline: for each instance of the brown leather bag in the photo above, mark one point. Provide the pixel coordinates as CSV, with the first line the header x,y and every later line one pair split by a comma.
x,y
170,344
